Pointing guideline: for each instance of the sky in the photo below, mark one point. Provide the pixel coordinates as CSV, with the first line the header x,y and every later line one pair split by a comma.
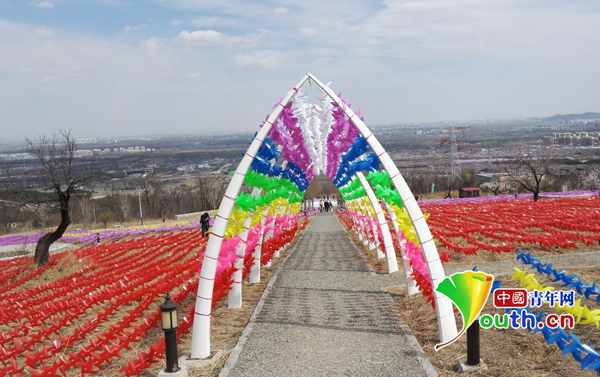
x,y
143,67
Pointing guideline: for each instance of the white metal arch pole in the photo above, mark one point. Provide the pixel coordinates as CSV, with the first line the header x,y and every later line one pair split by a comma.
x,y
203,308
285,219
374,244
235,293
443,305
411,286
355,220
270,234
255,269
365,220
388,244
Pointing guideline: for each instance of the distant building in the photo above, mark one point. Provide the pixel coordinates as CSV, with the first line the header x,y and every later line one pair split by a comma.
x,y
485,177
185,168
468,192
131,172
581,138
83,153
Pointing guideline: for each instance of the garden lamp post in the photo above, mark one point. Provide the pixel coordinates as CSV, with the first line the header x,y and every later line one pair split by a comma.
x,y
168,310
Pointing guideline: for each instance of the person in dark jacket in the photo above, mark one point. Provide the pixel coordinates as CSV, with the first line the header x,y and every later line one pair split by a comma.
x,y
204,223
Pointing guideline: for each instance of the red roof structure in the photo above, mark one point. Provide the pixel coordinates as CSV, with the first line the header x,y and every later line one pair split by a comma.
x,y
468,192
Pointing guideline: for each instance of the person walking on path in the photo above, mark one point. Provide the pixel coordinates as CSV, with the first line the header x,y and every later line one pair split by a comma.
x,y
204,223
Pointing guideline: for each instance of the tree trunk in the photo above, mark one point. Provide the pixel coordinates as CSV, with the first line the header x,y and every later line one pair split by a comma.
x,y
536,196
42,249
449,193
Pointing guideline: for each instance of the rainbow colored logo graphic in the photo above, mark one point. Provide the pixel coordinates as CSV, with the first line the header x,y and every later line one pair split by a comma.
x,y
469,291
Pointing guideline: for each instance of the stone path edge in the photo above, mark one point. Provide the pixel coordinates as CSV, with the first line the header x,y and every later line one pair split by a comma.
x,y
237,350
356,249
419,352
428,368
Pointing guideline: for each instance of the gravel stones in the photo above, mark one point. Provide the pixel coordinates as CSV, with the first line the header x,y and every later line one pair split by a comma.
x,y
327,316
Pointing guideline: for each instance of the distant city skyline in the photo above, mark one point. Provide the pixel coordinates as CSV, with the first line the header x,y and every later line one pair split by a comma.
x,y
122,67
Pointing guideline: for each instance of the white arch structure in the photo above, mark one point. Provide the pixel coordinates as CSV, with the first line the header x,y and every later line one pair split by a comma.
x,y
390,254
203,307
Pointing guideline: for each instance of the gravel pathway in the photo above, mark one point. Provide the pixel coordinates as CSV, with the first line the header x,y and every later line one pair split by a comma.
x,y
326,315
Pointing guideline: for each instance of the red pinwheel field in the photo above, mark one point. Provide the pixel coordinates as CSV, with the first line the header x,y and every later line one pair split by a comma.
x,y
470,233
105,302
549,226
85,309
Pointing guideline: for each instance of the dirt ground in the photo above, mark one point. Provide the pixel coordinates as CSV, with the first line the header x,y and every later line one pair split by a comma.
x,y
227,325
458,259
507,352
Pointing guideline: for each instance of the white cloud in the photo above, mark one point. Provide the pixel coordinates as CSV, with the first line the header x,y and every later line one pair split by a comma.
x,y
73,79
215,38
281,10
308,31
260,60
176,23
45,5
193,75
212,21
439,29
44,33
67,56
128,29
202,38
404,59
47,80
322,61
152,44
234,7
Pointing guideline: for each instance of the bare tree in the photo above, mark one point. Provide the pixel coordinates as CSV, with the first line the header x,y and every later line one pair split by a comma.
x,y
124,205
44,213
84,211
211,190
591,180
55,155
529,168
177,195
450,183
94,210
112,190
492,186
147,188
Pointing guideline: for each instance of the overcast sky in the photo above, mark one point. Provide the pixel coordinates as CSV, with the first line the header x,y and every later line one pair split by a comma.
x,y
133,67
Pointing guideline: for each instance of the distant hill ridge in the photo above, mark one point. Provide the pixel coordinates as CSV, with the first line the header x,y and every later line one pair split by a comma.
x,y
567,117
